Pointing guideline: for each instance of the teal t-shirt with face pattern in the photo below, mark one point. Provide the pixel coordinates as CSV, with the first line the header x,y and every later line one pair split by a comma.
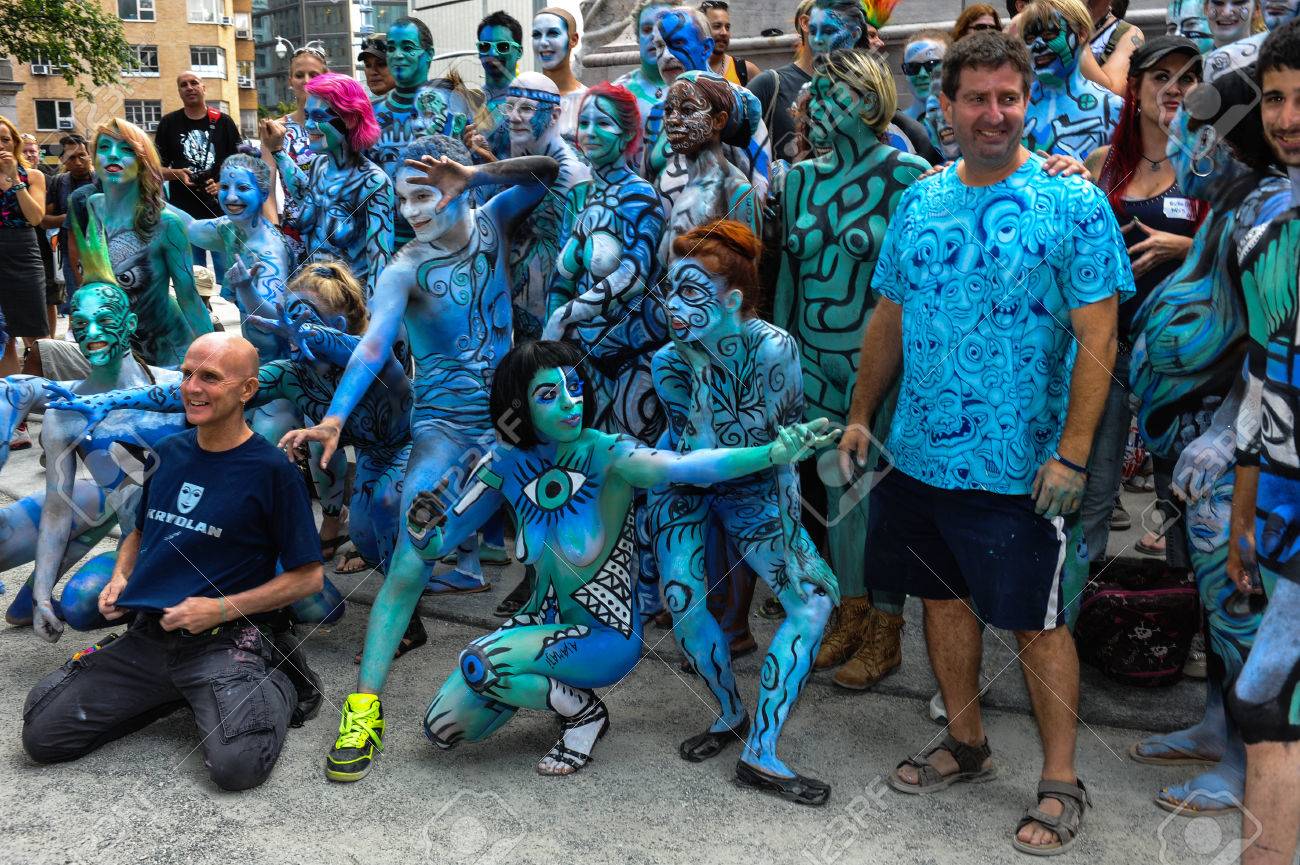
x,y
987,277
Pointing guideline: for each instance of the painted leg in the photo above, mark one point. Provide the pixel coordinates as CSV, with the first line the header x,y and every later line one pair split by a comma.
x,y
679,519
1203,742
789,657
80,599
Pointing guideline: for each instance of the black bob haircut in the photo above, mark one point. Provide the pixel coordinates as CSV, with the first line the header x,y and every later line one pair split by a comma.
x,y
502,19
509,403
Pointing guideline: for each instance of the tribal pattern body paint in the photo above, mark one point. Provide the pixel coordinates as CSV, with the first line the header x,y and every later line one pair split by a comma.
x,y
597,296
713,187
1067,113
572,498
1185,369
450,287
346,206
836,209
146,266
102,321
532,116
727,382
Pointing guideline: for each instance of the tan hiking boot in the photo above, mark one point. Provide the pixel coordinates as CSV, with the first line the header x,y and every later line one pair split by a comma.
x,y
880,653
845,635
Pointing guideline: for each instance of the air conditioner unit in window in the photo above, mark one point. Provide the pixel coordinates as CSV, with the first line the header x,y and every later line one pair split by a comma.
x,y
227,22
40,69
245,81
67,123
151,126
245,33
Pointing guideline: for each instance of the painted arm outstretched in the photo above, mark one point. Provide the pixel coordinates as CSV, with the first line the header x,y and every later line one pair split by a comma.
x,y
180,266
19,394
163,398
205,232
640,227
646,467
295,179
528,179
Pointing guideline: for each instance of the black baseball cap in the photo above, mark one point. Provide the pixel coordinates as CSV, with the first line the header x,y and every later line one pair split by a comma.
x,y
1156,49
376,47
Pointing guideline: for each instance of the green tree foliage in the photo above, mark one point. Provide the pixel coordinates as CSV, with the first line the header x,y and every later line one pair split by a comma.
x,y
79,36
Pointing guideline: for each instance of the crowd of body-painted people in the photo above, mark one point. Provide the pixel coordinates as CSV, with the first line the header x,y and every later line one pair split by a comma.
x,y
669,335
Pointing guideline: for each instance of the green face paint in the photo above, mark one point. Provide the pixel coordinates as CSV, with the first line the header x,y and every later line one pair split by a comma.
x,y
102,323
555,404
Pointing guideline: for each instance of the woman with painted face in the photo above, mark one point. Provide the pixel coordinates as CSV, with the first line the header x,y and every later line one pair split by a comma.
x,y
1231,20
151,254
571,489
922,63
698,112
843,24
822,300
729,379
1188,347
555,35
307,63
22,205
1067,113
346,204
1158,221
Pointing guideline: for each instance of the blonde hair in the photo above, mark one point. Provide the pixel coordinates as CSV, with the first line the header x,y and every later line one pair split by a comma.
x,y
148,212
865,73
18,140
337,288
1074,12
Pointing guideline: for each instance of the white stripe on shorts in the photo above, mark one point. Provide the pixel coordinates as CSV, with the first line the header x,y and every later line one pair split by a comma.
x,y
1054,597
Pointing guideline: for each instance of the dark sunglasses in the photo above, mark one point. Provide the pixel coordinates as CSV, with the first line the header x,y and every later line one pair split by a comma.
x,y
915,68
502,46
975,28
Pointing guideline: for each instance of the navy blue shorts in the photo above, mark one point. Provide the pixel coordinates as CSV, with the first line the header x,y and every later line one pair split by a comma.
x,y
988,547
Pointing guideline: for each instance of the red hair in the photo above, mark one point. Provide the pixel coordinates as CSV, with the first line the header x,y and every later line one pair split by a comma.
x,y
347,99
729,249
1126,152
629,115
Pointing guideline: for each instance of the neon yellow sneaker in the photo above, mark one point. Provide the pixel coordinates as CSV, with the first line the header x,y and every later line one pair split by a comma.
x,y
360,741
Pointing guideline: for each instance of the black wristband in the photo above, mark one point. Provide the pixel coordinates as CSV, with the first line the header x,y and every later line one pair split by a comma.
x,y
1074,467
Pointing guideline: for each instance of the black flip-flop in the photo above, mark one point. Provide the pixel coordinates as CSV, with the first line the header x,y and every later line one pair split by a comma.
x,y
708,744
800,790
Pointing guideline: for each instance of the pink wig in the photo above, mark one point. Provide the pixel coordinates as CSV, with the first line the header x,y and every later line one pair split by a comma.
x,y
629,114
347,99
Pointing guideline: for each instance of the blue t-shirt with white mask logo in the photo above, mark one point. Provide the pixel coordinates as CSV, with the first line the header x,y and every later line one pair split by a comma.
x,y
214,524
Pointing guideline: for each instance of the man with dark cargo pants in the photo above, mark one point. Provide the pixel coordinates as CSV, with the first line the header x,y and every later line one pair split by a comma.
x,y
199,576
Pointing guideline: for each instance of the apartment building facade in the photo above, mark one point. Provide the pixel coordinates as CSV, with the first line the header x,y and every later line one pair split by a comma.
x,y
214,38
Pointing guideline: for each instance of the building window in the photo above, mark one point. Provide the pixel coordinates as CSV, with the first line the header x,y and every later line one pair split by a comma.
x,y
144,113
208,61
244,68
53,115
219,104
144,61
135,10
206,11
243,26
248,122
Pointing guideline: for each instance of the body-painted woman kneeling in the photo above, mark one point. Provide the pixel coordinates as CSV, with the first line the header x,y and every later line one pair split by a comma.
x,y
571,489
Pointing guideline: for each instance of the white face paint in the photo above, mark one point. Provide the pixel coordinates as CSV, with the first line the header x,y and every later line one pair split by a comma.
x,y
418,205
550,40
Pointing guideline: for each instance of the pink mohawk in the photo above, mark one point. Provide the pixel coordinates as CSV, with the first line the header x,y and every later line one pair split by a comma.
x,y
347,99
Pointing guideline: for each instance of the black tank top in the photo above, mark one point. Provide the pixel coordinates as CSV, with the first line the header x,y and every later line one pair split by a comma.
x,y
1170,211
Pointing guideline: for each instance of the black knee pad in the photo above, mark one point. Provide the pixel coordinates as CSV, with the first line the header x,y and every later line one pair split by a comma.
x,y
480,672
1276,720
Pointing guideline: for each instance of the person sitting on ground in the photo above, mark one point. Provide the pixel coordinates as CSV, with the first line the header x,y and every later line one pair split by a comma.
x,y
225,497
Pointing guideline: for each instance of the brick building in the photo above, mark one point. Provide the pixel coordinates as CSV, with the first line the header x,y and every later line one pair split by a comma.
x,y
212,37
